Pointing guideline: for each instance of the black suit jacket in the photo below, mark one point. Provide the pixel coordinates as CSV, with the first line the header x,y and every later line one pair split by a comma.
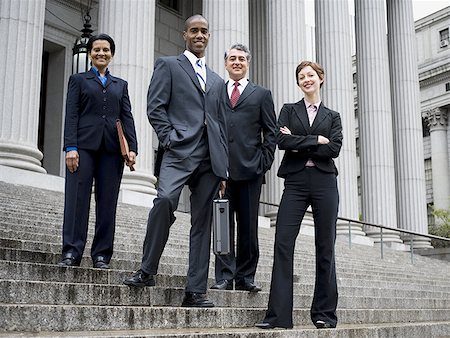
x,y
251,133
179,111
92,111
302,144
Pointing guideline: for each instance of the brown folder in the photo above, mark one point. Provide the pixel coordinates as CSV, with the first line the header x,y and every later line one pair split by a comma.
x,y
124,149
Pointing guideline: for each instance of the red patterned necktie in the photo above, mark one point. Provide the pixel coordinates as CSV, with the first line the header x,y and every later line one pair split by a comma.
x,y
235,94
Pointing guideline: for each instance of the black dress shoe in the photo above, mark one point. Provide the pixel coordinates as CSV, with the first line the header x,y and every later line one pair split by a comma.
x,y
320,324
68,259
264,325
100,263
139,279
223,285
247,287
192,299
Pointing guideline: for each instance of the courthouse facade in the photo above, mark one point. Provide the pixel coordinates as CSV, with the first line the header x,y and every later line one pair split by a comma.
x,y
394,162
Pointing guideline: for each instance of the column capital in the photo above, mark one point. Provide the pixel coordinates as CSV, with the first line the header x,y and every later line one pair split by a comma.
x,y
437,118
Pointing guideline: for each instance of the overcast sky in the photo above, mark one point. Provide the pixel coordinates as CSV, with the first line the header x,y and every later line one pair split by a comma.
x,y
423,8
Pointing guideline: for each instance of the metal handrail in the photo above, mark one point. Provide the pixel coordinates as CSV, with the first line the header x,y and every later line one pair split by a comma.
x,y
381,227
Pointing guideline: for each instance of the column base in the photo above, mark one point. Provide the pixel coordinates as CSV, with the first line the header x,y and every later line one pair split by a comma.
x,y
137,188
21,157
358,236
417,242
31,179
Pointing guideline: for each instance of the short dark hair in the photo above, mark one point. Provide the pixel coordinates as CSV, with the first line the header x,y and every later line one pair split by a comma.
x,y
241,47
188,21
101,36
314,65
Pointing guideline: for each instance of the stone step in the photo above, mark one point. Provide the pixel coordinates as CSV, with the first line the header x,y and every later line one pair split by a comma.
x,y
55,293
173,265
410,330
85,317
347,287
177,265
179,251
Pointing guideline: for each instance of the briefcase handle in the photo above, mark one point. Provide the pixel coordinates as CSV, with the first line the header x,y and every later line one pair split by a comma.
x,y
124,148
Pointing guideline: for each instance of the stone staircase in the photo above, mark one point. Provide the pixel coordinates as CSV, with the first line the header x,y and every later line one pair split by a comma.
x,y
377,298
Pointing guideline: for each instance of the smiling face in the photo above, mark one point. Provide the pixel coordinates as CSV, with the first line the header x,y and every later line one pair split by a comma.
x,y
309,81
236,64
196,35
100,54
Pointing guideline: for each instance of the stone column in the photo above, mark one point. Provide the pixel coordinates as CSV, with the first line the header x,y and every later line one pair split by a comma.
x,y
228,24
375,120
259,43
407,122
21,41
286,42
333,33
132,26
437,119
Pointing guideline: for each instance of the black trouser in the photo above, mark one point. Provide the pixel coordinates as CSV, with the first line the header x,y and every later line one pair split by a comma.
x,y
241,263
318,189
106,169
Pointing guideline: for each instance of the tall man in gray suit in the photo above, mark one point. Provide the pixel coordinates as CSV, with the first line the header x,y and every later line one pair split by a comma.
x,y
186,107
251,141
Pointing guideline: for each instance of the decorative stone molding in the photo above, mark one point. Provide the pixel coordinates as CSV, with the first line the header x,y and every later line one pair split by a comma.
x,y
437,118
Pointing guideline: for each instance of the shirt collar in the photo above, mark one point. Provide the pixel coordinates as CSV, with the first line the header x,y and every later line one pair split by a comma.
x,y
317,104
242,83
193,59
95,70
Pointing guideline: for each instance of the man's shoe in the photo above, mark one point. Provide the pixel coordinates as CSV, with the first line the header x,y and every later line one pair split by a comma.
x,y
192,299
223,285
264,325
247,287
320,324
139,279
100,263
68,259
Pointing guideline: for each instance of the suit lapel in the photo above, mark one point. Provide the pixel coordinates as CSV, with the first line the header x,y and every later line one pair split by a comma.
x,y
321,114
302,115
187,66
110,79
210,79
250,88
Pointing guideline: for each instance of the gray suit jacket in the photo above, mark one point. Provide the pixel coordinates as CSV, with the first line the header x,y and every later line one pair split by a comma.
x,y
251,133
179,110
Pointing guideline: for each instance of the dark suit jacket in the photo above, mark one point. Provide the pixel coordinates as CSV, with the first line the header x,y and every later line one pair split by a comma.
x,y
302,144
251,133
92,111
179,119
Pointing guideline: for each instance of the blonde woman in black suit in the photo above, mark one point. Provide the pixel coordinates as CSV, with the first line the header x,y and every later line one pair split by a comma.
x,y
311,136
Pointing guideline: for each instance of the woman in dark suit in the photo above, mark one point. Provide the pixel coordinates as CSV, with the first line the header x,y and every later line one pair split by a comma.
x,y
95,100
311,136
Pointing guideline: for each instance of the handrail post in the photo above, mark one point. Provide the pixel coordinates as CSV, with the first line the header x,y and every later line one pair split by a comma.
x,y
381,241
412,249
349,235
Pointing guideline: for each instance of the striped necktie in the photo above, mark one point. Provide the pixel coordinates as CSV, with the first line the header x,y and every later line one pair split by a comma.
x,y
235,94
201,74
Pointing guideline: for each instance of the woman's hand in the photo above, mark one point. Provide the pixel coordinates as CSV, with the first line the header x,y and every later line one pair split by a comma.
x,y
322,140
72,160
131,159
285,130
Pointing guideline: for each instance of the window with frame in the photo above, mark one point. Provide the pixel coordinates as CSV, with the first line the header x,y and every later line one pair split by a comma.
x,y
444,38
171,4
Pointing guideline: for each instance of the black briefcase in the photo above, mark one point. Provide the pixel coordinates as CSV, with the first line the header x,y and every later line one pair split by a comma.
x,y
221,227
